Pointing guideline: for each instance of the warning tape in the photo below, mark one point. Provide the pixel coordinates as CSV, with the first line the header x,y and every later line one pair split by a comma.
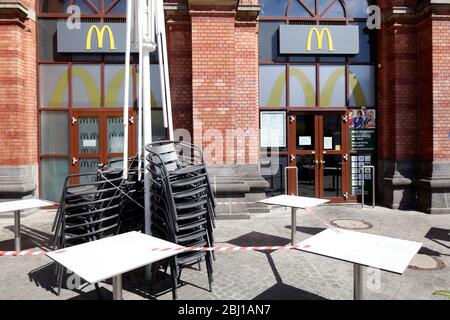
x,y
217,249
235,203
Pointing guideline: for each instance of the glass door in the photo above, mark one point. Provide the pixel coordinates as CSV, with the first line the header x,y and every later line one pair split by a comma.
x,y
319,150
97,139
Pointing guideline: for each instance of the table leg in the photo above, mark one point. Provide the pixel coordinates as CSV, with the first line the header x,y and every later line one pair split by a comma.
x,y
18,245
293,226
117,287
357,282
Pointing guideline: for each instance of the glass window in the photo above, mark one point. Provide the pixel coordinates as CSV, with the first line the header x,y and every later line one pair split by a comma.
x,y
88,135
119,8
366,45
53,86
272,86
305,132
48,50
53,173
298,10
86,84
52,6
273,7
115,134
54,132
88,165
158,130
357,8
336,11
269,41
310,4
273,171
115,86
302,81
362,86
332,86
85,7
156,95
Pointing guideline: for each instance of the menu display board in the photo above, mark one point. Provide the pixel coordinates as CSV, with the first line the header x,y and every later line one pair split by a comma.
x,y
273,129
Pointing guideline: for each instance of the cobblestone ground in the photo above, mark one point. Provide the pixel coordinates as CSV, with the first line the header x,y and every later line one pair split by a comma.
x,y
249,275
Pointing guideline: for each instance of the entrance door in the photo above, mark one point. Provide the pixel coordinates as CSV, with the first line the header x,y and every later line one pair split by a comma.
x,y
319,149
98,138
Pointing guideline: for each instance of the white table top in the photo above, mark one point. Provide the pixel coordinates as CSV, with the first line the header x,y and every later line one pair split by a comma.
x,y
294,202
21,205
388,254
104,259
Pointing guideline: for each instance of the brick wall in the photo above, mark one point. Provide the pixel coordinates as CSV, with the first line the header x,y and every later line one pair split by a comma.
x,y
225,87
441,87
180,62
18,121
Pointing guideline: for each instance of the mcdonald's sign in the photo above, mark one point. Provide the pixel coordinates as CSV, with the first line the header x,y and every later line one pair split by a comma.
x,y
326,40
92,38
100,37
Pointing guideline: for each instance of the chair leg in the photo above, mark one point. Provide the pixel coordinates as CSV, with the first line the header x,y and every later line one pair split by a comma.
x,y
99,293
173,272
210,276
60,279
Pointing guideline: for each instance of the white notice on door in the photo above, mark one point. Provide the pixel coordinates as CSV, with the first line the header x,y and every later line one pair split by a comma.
x,y
305,141
90,143
328,143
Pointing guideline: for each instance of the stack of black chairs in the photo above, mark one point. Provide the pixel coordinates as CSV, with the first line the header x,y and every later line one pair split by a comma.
x,y
182,203
88,211
133,213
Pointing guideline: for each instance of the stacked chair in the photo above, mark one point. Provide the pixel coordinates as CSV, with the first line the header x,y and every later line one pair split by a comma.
x,y
88,211
182,203
133,213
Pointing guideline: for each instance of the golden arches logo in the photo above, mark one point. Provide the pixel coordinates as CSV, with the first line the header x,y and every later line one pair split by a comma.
x,y
100,37
112,95
319,36
308,88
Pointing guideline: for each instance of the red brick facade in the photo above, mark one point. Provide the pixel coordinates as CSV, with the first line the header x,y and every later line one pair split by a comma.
x,y
413,102
213,56
18,121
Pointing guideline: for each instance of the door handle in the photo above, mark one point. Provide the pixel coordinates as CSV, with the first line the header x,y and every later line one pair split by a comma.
x,y
74,161
131,120
345,157
74,121
293,157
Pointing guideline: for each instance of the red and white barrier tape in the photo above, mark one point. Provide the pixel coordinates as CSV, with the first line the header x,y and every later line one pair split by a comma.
x,y
217,249
234,203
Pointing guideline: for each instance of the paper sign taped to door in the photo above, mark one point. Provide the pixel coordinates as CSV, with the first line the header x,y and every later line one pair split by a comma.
x,y
90,143
305,141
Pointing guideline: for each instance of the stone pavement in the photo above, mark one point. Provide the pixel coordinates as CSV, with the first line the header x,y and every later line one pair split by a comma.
x,y
253,275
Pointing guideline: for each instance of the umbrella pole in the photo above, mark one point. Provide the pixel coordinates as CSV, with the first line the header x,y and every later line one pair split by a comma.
x,y
126,104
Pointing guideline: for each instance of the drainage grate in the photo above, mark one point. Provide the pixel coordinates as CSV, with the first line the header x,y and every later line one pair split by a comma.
x,y
351,224
423,262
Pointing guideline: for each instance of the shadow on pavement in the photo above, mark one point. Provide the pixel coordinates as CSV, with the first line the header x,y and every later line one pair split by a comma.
x,y
30,238
281,291
439,235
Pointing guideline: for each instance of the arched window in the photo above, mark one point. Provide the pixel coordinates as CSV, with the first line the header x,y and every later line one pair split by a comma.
x,y
88,7
335,9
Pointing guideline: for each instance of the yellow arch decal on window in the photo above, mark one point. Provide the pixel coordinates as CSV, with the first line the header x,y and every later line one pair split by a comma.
x,y
357,90
328,90
280,86
62,83
308,89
